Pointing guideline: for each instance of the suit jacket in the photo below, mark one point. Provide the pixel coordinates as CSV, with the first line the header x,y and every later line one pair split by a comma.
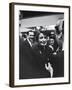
x,y
58,64
26,58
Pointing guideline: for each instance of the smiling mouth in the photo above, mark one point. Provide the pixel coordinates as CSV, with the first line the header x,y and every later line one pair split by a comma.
x,y
43,43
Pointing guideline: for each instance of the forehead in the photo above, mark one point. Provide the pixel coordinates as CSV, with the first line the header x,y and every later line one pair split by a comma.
x,y
51,39
31,33
52,33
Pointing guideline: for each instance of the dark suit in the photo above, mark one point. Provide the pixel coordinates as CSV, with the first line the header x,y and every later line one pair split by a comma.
x,y
26,58
58,64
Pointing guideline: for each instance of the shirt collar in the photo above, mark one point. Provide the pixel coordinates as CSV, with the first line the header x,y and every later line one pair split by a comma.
x,y
29,42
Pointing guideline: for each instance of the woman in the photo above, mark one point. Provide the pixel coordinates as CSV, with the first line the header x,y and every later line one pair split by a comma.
x,y
53,45
42,56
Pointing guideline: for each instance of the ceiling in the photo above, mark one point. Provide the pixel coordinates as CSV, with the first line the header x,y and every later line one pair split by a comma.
x,y
30,14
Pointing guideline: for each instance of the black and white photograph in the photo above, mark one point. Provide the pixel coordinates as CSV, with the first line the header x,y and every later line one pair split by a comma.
x,y
41,45
41,52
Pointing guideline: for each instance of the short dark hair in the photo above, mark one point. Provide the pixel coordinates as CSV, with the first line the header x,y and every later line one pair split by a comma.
x,y
57,29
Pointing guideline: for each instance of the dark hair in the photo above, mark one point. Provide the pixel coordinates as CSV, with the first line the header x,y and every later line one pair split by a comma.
x,y
57,30
57,27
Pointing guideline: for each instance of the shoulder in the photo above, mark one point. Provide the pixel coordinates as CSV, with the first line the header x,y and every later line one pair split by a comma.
x,y
35,45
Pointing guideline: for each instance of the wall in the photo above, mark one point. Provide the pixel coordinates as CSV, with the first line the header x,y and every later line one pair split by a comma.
x,y
4,45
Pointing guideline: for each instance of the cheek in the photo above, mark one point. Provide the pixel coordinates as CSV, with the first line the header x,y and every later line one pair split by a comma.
x,y
60,28
46,40
40,40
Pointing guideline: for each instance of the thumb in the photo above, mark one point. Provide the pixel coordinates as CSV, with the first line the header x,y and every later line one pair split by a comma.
x,y
46,66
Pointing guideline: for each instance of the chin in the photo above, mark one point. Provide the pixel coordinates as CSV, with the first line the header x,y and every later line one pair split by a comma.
x,y
43,44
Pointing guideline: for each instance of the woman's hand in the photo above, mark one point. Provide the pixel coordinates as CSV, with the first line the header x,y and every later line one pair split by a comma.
x,y
49,68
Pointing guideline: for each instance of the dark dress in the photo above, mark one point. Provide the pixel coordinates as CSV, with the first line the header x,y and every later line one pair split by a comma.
x,y
42,57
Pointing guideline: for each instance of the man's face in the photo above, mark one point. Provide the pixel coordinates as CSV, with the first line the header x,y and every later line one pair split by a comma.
x,y
31,36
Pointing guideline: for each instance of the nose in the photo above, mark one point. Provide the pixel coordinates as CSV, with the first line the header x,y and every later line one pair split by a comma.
x,y
44,39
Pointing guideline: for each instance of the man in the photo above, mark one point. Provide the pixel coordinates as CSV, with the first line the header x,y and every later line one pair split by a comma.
x,y
26,57
60,33
58,59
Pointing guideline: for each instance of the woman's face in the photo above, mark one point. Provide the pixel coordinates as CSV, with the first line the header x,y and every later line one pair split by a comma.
x,y
42,39
51,41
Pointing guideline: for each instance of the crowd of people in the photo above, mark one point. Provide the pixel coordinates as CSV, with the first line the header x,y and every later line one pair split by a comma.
x,y
41,55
